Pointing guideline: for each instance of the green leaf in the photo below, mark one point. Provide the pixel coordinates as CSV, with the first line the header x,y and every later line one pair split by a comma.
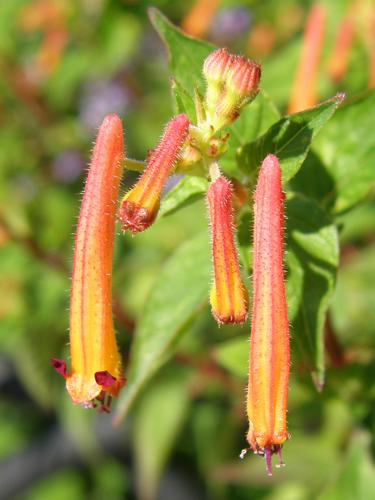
x,y
243,235
353,305
66,483
357,478
159,418
79,425
187,191
347,151
183,102
186,54
279,69
233,355
313,254
254,121
179,292
358,224
289,139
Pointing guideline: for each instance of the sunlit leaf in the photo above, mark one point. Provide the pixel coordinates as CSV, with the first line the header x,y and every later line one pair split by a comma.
x,y
289,139
187,191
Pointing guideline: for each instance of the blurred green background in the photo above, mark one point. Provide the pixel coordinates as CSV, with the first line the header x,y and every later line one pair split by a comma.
x,y
64,65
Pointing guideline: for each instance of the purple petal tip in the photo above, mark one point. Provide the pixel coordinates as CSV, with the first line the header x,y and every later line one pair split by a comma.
x,y
104,378
60,366
268,457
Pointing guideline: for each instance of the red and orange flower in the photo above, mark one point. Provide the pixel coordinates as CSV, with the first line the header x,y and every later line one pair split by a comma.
x,y
96,371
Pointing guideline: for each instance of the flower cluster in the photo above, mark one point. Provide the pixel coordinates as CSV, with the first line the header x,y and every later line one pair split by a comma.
x,y
96,372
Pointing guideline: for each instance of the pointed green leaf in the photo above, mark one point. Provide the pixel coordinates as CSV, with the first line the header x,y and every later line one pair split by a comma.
x,y
347,151
186,54
183,102
289,139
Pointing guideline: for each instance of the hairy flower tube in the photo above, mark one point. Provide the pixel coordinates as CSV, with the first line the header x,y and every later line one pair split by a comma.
x,y
96,371
229,298
267,396
140,205
232,82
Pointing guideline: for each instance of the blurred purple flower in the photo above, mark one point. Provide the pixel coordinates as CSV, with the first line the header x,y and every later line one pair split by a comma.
x,y
100,99
230,23
172,182
68,166
152,46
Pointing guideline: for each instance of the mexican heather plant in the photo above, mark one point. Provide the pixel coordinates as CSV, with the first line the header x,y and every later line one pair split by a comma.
x,y
212,122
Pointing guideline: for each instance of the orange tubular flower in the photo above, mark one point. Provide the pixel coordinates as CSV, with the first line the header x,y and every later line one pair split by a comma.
x,y
339,60
140,206
304,94
229,299
197,21
96,363
269,351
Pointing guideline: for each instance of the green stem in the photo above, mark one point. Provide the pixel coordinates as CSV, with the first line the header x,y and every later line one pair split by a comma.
x,y
214,170
134,165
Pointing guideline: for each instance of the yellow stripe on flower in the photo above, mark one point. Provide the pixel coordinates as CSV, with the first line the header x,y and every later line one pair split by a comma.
x,y
269,344
140,205
229,299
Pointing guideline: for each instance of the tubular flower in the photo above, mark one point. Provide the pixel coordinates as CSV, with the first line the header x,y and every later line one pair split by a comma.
x,y
269,344
140,206
96,373
304,94
340,58
229,299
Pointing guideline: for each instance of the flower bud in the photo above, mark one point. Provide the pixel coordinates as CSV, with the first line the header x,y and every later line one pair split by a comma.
x,y
229,298
96,373
232,82
215,69
140,205
267,395
243,78
216,65
242,86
